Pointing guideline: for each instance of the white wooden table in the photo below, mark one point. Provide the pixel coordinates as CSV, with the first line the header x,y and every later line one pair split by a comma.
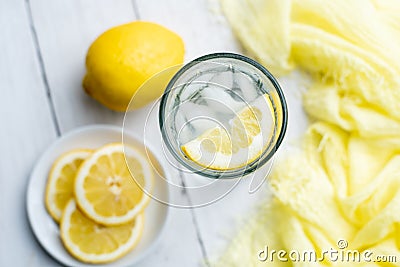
x,y
43,45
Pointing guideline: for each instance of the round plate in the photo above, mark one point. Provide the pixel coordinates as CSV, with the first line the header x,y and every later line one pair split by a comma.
x,y
47,230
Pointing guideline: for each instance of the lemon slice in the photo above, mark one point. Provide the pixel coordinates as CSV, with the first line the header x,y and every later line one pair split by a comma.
x,y
60,183
95,243
250,132
107,191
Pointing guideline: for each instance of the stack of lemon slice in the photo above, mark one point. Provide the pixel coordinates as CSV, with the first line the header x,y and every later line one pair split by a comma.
x,y
98,198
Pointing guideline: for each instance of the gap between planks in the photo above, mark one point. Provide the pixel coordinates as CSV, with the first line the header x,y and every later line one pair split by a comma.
x,y
136,9
195,222
42,68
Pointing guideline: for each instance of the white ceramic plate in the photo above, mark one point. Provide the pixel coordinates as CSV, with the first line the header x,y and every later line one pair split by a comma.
x,y
46,229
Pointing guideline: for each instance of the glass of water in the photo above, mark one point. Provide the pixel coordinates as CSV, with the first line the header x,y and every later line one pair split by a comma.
x,y
223,115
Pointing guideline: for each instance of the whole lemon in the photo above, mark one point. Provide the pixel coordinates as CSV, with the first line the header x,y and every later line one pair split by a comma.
x,y
121,59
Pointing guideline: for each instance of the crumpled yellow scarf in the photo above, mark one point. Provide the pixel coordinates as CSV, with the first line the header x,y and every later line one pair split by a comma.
x,y
344,182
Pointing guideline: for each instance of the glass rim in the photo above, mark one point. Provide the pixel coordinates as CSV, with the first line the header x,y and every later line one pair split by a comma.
x,y
248,168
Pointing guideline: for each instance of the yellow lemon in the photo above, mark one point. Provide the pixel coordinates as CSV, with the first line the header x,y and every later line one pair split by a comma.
x,y
60,183
95,243
221,149
107,190
121,59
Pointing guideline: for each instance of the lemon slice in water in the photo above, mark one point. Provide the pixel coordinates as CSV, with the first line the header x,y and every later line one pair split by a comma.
x,y
249,135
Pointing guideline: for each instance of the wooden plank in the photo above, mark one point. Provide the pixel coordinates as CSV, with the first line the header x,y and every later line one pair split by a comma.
x,y
178,245
202,30
65,30
26,130
205,31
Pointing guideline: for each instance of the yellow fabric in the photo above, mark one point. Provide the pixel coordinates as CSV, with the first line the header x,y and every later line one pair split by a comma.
x,y
351,47
339,186
250,23
344,181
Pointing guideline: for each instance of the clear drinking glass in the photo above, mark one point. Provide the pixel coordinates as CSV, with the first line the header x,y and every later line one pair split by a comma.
x,y
210,92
